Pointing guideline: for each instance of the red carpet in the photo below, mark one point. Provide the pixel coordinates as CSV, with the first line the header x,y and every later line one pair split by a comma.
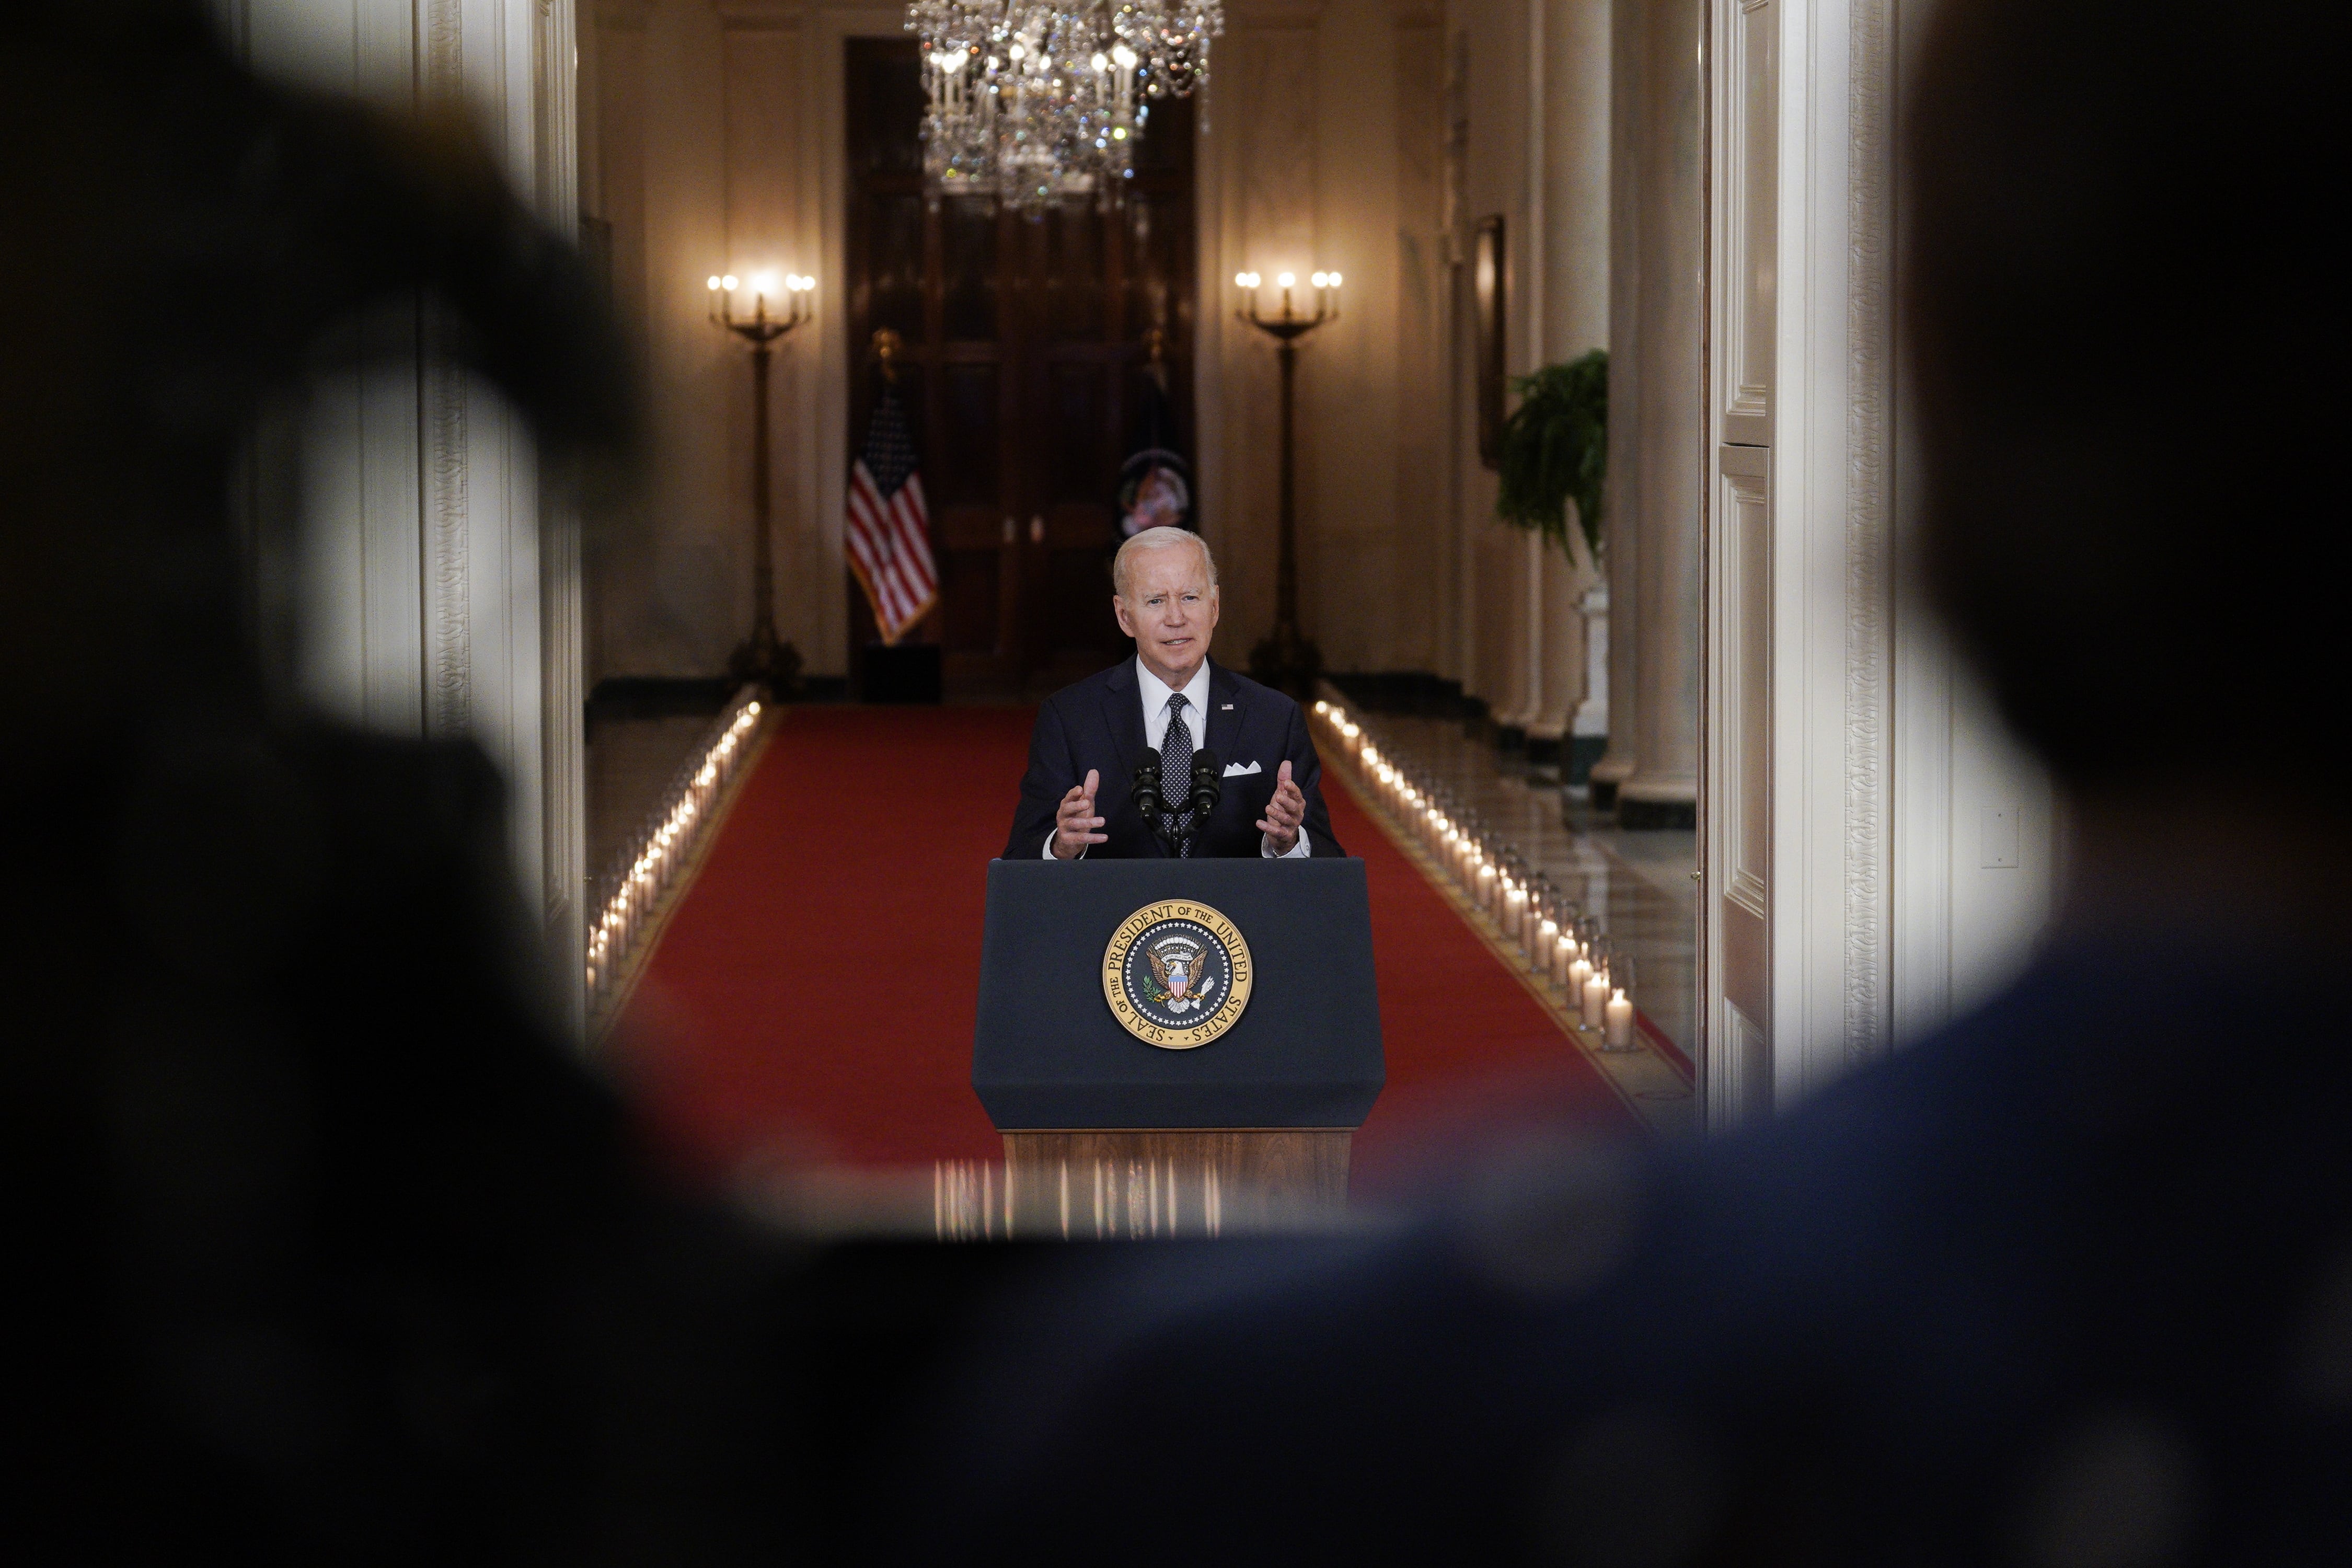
x,y
816,987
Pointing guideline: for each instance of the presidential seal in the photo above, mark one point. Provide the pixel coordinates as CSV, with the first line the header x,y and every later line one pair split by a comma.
x,y
1176,974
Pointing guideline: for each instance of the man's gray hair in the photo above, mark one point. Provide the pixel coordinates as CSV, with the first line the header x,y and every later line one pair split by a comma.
x,y
1159,539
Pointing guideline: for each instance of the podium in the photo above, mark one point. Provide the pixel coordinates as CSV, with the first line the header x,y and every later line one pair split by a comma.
x,y
1175,1047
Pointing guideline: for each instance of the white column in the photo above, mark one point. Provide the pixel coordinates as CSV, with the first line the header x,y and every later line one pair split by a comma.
x,y
1523,583
1663,788
1575,145
1629,99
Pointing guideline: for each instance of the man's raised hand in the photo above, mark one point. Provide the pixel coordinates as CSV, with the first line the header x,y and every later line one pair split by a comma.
x,y
1075,823
1284,813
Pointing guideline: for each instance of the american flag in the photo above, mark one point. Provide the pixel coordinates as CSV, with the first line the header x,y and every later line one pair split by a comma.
x,y
889,531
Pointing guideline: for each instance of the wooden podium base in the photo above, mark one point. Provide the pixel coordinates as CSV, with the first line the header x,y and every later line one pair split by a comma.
x,y
1119,1182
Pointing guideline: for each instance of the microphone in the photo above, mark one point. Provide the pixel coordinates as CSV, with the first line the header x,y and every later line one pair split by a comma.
x,y
1207,787
1148,798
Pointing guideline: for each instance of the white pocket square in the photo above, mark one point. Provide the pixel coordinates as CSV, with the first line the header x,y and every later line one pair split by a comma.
x,y
1234,769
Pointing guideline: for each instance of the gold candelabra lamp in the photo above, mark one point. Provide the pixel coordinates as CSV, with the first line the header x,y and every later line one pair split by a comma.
x,y
1288,660
763,658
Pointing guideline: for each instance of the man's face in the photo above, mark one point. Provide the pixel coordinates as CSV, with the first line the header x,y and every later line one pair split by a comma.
x,y
1170,610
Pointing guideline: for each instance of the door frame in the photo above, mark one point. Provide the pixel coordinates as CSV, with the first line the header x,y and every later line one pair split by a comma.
x,y
1830,642
1036,526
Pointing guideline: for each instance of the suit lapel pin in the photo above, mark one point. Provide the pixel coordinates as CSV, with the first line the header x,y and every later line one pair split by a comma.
x,y
1228,707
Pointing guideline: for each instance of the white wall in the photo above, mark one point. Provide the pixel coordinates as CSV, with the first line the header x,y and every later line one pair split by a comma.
x,y
1976,852
1912,848
1497,565
1967,910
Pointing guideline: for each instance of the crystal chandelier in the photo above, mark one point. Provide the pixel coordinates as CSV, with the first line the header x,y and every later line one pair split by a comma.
x,y
1032,101
958,130
1171,40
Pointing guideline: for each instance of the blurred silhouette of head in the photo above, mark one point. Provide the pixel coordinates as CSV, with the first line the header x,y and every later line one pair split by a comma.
x,y
182,244
2128,340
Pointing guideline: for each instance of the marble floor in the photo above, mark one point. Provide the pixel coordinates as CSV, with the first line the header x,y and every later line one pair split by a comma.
x,y
630,761
1639,883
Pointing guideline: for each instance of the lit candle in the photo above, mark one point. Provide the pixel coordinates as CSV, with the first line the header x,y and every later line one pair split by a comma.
x,y
1596,1000
1579,970
1620,1022
1563,953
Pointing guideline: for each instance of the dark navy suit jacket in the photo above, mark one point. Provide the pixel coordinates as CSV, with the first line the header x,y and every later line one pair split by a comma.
x,y
1098,723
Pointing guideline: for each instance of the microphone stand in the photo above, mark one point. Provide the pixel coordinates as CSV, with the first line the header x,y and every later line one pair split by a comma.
x,y
1207,789
1147,799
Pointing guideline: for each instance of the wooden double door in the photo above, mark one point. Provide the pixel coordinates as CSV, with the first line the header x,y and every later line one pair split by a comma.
x,y
1022,373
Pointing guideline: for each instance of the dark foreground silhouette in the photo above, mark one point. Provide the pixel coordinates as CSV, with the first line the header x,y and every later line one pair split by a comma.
x,y
328,1252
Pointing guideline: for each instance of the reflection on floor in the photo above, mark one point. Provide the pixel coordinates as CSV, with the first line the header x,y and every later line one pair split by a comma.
x,y
1639,883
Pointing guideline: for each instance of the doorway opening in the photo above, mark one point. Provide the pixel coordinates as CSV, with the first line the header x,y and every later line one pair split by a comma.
x,y
1028,348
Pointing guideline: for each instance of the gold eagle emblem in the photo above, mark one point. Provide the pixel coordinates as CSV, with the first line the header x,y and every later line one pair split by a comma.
x,y
1192,979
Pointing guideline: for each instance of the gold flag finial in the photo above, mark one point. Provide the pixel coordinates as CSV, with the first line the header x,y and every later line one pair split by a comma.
x,y
888,346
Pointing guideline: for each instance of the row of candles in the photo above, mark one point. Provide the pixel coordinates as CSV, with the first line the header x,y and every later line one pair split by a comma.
x,y
1557,941
634,888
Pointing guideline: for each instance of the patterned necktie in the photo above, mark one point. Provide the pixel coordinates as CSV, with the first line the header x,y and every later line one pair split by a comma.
x,y
1176,768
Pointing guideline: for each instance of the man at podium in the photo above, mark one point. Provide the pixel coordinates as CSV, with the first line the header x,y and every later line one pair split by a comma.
x,y
1091,749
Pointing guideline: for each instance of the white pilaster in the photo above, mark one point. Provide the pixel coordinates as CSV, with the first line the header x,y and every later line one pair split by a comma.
x,y
437,599
1575,148
1668,406
1629,110
1523,708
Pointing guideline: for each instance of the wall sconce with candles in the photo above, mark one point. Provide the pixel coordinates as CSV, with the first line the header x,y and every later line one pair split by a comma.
x,y
1288,660
763,658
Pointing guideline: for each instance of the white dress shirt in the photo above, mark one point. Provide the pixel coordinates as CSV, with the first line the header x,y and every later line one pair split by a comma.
x,y
1155,693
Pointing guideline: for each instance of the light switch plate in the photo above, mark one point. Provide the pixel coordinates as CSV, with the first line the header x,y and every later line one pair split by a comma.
x,y
1998,838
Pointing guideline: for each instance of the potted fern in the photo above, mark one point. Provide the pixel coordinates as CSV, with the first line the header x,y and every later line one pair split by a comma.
x,y
1555,449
